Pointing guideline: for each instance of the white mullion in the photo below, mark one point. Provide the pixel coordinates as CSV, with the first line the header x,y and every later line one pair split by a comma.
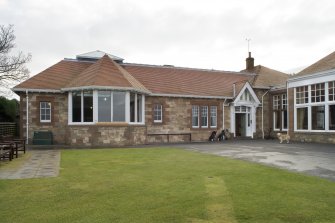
x,y
143,110
135,104
112,105
294,110
82,107
69,114
127,110
95,106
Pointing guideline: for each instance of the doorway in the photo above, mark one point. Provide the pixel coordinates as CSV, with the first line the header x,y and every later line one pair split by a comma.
x,y
240,124
243,121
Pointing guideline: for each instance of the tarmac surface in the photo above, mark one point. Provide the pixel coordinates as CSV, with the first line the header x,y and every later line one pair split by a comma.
x,y
308,158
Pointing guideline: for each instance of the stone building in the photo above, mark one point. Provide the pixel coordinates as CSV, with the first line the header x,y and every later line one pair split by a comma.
x,y
97,99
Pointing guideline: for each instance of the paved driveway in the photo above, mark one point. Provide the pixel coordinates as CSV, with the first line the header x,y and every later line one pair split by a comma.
x,y
312,159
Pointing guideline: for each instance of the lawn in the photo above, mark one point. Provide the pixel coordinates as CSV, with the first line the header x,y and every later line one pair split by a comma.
x,y
165,185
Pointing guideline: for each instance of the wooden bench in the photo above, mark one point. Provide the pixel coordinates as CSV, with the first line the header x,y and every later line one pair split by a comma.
x,y
171,134
18,144
6,151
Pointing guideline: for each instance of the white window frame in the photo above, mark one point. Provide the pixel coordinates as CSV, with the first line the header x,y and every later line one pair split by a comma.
x,y
211,116
326,103
202,116
45,120
158,108
95,109
197,113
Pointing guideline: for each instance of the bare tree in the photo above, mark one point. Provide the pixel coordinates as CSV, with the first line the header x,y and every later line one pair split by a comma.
x,y
12,67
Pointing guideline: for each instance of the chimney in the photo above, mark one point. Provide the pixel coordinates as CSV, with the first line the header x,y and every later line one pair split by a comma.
x,y
250,62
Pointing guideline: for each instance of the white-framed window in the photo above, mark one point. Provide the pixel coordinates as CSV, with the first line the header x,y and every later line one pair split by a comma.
x,y
158,113
204,116
318,92
280,112
96,106
317,112
302,95
213,115
45,111
276,102
82,106
195,116
331,91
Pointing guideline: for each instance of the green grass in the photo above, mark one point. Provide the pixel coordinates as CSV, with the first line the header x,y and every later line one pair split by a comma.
x,y
165,185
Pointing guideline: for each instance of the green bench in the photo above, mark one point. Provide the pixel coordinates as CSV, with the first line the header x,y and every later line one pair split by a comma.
x,y
42,138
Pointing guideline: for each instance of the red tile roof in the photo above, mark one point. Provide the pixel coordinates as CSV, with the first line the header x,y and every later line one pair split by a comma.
x,y
266,77
169,80
326,63
56,76
186,81
105,73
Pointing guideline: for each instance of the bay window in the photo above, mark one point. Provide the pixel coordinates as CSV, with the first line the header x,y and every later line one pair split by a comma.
x,y
105,106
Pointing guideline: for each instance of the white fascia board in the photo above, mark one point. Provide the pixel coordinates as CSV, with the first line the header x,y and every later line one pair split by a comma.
x,y
320,77
247,86
189,96
105,88
36,90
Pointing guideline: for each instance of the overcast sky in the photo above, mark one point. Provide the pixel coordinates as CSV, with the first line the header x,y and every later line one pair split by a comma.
x,y
285,34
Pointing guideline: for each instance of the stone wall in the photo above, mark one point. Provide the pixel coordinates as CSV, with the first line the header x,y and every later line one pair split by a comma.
x,y
58,116
177,113
266,121
107,135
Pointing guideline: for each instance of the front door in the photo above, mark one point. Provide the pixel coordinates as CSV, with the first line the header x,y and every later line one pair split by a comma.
x,y
240,124
243,121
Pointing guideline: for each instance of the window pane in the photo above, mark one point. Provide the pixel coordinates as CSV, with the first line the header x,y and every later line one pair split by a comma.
x,y
204,116
284,118
132,107
104,106
276,102
331,117
76,106
302,119
318,92
88,106
331,91
302,95
195,116
139,108
318,117
284,101
119,106
213,116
